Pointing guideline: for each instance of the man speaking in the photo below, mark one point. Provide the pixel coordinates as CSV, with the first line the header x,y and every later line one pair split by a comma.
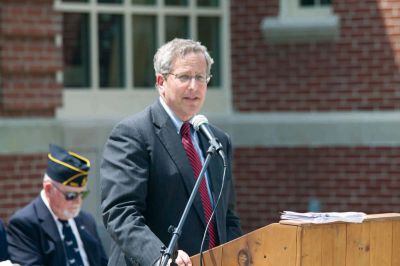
x,y
150,165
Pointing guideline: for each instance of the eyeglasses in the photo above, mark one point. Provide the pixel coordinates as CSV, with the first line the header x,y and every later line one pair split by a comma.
x,y
69,196
185,78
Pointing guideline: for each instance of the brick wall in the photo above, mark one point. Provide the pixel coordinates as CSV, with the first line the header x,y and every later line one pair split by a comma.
x,y
359,71
29,58
271,180
267,180
20,181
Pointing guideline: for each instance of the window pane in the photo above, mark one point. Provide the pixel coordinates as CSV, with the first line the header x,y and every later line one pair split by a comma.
x,y
143,2
76,55
144,47
307,2
110,1
208,2
111,64
325,2
75,1
177,27
209,35
176,2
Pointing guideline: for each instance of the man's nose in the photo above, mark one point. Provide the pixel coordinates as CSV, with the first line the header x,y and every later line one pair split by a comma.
x,y
193,83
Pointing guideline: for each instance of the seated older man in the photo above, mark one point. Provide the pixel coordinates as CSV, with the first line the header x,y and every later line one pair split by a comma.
x,y
52,229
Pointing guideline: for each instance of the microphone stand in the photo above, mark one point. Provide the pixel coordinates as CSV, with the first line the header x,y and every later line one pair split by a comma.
x,y
171,251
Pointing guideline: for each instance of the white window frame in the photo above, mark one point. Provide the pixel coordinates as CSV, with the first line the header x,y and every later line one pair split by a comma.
x,y
94,102
301,24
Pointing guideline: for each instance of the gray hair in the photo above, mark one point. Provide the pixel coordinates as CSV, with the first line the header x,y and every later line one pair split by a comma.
x,y
168,52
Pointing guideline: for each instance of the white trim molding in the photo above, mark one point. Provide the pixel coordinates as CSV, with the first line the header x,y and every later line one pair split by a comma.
x,y
283,129
296,24
312,129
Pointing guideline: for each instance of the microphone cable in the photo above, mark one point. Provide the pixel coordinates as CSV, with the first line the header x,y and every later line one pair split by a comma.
x,y
213,212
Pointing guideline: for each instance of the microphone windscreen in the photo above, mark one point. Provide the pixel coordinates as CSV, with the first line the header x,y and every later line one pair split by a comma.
x,y
199,120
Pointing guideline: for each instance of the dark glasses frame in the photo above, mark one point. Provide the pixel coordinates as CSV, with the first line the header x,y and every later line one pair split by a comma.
x,y
69,196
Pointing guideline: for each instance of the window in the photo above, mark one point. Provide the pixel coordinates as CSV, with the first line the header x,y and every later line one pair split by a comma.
x,y
108,45
314,2
303,8
76,56
302,21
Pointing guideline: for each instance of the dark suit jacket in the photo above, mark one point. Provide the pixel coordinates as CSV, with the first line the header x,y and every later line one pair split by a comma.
x,y
33,237
3,243
146,180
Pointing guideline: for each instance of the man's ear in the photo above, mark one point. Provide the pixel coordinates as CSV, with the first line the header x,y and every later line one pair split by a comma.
x,y
47,187
160,82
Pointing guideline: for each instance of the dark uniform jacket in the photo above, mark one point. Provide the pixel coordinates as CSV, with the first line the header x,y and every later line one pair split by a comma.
x,y
34,238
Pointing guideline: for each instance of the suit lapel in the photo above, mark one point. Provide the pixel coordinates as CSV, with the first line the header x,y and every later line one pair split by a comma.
x,y
46,220
168,136
53,243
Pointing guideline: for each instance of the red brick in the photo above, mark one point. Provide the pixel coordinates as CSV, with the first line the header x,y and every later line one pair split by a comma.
x,y
342,178
29,59
364,49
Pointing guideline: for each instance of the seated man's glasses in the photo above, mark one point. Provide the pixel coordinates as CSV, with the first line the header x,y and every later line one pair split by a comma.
x,y
185,78
70,195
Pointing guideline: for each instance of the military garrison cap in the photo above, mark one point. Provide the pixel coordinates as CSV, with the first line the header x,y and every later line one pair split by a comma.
x,y
67,168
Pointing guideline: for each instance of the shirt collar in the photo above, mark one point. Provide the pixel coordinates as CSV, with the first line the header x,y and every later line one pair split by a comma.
x,y
175,119
46,202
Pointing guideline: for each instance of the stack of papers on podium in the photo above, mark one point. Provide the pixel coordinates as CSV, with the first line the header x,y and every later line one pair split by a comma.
x,y
324,217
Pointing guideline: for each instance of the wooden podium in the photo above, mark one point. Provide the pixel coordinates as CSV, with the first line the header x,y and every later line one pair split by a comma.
x,y
375,242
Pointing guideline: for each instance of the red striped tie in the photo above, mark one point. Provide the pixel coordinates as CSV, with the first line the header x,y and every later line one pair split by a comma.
x,y
196,165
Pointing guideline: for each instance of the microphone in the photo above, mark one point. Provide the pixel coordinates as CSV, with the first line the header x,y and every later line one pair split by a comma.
x,y
199,123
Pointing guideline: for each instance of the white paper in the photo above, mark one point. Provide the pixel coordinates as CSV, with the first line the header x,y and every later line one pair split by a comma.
x,y
324,217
